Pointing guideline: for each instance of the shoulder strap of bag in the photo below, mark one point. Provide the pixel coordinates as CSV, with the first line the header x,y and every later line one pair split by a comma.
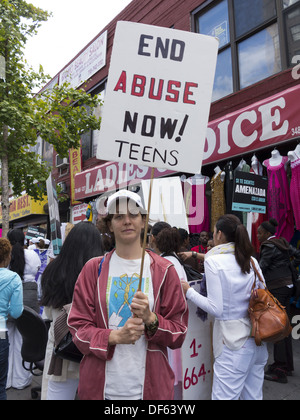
x,y
257,274
100,266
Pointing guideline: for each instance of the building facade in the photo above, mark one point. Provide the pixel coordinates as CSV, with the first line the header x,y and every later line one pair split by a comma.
x,y
254,108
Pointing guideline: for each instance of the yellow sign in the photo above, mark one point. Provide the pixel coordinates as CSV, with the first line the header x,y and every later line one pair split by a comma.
x,y
24,206
75,168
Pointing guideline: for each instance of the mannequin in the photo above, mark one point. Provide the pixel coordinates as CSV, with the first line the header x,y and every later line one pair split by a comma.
x,y
196,202
275,159
217,171
196,179
256,166
294,154
241,165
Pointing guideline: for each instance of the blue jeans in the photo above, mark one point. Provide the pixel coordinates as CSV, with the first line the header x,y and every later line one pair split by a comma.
x,y
4,349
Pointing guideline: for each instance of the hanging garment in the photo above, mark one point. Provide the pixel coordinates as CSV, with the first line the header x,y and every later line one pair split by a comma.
x,y
279,201
257,218
242,167
196,204
218,206
295,191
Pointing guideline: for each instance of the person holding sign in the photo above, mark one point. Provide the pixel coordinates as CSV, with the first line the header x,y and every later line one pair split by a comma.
x,y
239,363
124,331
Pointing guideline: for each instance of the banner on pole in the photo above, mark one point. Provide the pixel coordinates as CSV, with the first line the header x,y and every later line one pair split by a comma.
x,y
158,97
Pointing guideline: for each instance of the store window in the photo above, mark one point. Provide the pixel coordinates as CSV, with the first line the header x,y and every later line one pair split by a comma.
x,y
89,139
259,56
258,38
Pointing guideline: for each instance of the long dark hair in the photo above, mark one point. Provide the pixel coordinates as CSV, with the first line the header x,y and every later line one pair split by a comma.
x,y
17,264
168,241
236,232
59,278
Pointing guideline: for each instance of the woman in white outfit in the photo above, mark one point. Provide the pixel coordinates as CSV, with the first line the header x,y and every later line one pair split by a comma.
x,y
239,363
26,264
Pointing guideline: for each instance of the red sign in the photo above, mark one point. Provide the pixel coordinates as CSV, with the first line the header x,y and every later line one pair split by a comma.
x,y
265,123
112,176
268,122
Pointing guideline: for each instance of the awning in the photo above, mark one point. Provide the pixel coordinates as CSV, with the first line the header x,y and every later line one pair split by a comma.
x,y
111,176
24,206
264,123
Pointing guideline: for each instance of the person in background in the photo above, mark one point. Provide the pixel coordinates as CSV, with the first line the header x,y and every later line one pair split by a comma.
x,y
167,244
42,251
25,263
239,363
185,247
165,241
275,262
200,250
82,243
11,304
210,244
109,313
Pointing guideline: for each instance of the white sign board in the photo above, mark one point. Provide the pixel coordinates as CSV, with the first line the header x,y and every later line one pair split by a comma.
x,y
91,60
197,354
158,97
167,203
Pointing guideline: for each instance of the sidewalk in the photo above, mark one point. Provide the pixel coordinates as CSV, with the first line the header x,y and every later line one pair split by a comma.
x,y
291,390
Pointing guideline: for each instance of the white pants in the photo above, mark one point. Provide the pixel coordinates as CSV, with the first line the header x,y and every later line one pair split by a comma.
x,y
62,391
240,374
17,377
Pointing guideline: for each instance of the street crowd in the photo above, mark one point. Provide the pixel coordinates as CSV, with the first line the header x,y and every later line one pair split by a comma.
x,y
126,291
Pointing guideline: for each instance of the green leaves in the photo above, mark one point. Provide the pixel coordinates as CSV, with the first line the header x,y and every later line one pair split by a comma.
x,y
59,115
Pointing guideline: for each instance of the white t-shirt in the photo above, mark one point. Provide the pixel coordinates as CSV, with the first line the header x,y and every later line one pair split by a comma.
x,y
32,265
126,371
178,267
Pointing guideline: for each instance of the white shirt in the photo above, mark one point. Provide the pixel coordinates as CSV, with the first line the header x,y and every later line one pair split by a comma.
x,y
228,295
32,265
178,267
125,372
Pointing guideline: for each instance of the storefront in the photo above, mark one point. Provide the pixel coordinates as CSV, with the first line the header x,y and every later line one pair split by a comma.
x,y
255,101
25,212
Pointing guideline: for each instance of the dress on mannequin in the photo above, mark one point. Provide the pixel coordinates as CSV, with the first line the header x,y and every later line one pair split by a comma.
x,y
279,201
257,218
218,206
294,157
196,203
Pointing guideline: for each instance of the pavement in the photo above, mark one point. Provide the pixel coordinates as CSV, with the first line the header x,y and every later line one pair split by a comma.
x,y
273,391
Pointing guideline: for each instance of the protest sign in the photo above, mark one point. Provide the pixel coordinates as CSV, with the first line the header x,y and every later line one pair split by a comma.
x,y
197,353
158,97
250,193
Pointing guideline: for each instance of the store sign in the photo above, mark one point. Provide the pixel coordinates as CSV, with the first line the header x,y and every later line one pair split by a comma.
x,y
35,232
158,97
79,213
249,193
75,168
265,123
110,177
89,62
24,206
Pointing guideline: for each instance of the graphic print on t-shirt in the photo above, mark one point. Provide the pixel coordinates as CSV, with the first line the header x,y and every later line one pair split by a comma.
x,y
120,293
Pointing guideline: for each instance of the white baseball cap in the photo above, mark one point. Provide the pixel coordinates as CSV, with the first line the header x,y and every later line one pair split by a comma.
x,y
133,199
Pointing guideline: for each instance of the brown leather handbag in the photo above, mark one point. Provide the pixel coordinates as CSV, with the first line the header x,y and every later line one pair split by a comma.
x,y
269,319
